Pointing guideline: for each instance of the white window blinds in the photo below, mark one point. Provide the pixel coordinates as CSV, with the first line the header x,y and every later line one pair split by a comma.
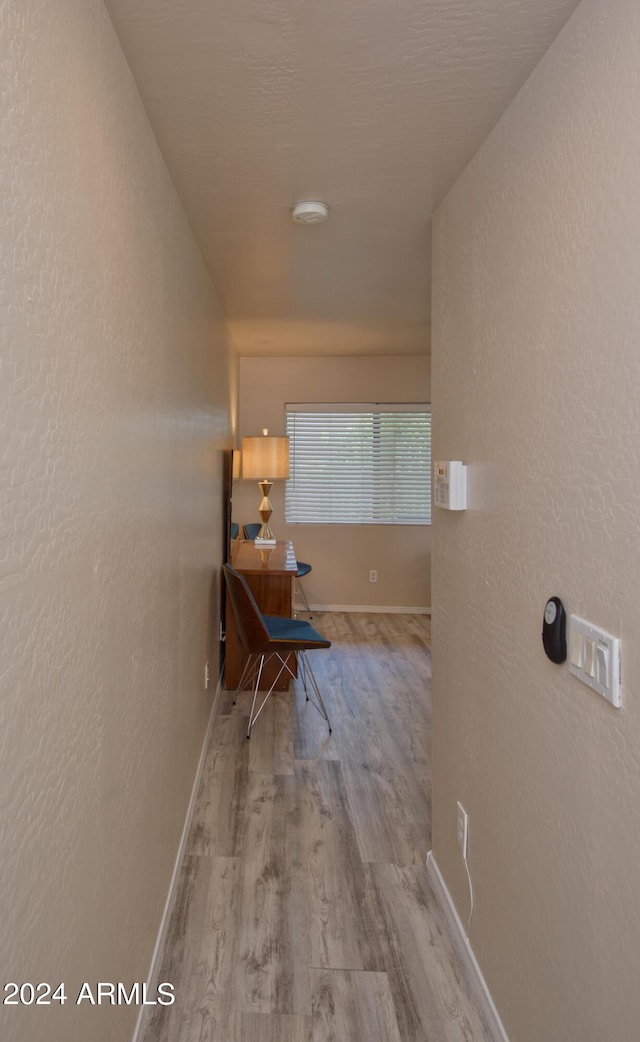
x,y
359,464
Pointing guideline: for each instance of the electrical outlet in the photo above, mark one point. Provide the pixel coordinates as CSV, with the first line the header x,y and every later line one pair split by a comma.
x,y
373,576
206,676
463,829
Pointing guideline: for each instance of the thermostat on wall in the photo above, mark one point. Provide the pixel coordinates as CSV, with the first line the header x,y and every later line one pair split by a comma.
x,y
450,485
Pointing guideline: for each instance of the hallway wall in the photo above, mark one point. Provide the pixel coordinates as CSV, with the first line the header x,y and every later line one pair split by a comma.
x,y
536,377
114,412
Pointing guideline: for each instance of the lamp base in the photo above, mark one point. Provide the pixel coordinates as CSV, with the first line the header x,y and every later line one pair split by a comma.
x,y
264,542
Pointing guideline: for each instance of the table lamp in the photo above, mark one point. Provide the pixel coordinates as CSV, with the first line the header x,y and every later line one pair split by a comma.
x,y
267,459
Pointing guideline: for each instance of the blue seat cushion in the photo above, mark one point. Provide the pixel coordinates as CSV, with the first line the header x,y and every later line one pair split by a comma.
x,y
303,568
293,630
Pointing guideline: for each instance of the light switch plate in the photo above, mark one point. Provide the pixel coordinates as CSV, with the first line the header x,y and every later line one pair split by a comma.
x,y
595,659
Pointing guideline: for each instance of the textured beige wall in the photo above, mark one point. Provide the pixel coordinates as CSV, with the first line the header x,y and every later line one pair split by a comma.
x,y
341,555
114,413
536,377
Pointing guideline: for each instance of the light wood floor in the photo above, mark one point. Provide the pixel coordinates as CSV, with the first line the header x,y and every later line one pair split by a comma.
x,y
304,913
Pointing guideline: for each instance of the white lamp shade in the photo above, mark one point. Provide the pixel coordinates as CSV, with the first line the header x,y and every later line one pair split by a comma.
x,y
265,458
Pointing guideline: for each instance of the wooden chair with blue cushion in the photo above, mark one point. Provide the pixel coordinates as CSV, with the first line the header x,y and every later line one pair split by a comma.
x,y
251,531
264,637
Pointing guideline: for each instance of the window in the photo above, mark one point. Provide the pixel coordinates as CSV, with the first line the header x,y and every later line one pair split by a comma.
x,y
359,464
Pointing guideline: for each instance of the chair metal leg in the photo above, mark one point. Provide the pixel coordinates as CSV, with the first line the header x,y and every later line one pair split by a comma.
x,y
302,592
307,671
306,675
255,695
249,664
265,658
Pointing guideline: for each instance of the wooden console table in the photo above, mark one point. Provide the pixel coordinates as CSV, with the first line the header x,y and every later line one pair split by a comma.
x,y
270,573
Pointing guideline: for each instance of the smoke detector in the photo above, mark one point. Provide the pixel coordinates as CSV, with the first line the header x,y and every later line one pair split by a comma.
x,y
310,213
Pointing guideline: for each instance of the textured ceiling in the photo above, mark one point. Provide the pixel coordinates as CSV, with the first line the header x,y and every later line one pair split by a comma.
x,y
373,106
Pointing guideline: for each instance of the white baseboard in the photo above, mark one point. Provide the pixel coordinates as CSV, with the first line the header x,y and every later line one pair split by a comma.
x,y
465,951
372,609
158,951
